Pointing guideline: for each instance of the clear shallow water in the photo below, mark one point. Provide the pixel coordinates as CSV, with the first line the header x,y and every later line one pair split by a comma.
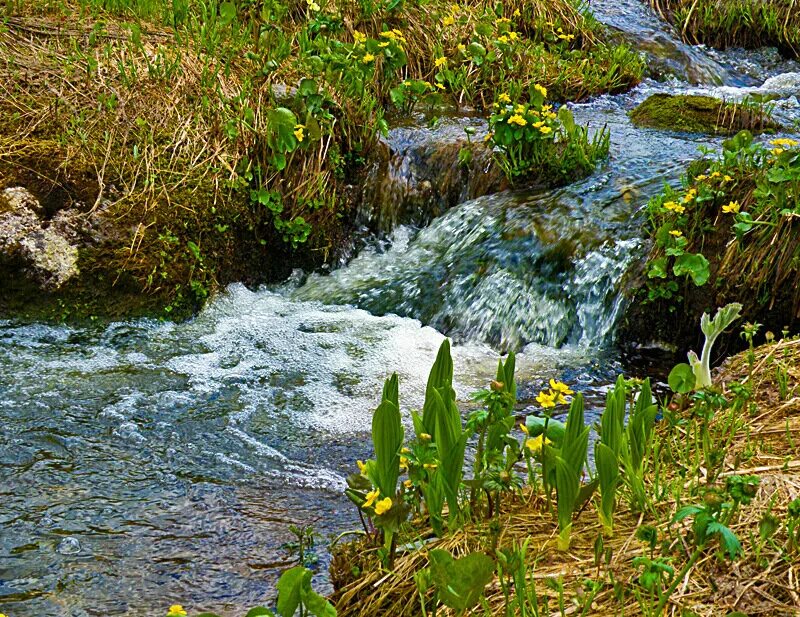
x,y
143,464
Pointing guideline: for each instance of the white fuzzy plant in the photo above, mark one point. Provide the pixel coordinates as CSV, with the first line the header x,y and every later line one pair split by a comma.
x,y
712,328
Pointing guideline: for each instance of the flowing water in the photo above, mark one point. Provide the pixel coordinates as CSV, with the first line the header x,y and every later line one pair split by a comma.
x,y
146,463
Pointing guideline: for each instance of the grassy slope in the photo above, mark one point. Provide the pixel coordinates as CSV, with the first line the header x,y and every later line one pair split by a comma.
x,y
163,112
736,23
758,434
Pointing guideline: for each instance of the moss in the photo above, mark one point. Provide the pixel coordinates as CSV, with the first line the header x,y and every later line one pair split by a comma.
x,y
699,114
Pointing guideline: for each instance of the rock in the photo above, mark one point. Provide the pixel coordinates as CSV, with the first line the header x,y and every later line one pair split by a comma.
x,y
45,253
699,114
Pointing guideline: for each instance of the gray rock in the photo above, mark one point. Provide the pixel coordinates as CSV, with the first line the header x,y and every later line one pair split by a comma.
x,y
45,253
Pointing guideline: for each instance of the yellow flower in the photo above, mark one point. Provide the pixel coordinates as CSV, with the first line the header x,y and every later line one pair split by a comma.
x,y
488,136
313,5
430,466
449,20
176,610
502,39
370,498
383,44
403,462
504,98
674,207
502,20
383,506
368,58
726,178
538,124
440,62
425,437
777,151
546,399
559,386
535,444
359,37
701,177
361,467
440,86
541,89
298,132
550,115
405,450
788,143
519,109
516,13
524,428
715,174
462,48
732,207
408,483
690,195
513,36
545,130
676,232
518,120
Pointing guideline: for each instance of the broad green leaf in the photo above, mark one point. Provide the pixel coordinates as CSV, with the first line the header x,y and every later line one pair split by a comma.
x,y
693,264
280,127
682,379
227,11
258,611
290,586
317,605
727,538
387,438
460,582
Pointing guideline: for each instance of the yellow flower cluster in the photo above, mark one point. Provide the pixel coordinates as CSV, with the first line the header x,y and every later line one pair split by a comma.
x,y
313,5
674,207
518,120
556,395
563,36
176,610
783,142
690,195
439,62
541,90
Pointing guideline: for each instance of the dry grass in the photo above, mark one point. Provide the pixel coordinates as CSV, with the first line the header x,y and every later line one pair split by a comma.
x,y
765,585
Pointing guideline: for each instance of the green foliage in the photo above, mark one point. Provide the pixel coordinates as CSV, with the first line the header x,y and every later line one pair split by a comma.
x,y
533,142
712,328
569,462
460,583
745,199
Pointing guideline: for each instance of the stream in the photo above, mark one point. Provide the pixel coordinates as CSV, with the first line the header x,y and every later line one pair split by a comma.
x,y
145,463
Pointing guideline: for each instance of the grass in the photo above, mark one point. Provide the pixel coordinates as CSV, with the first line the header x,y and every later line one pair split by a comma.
x,y
755,435
735,23
164,115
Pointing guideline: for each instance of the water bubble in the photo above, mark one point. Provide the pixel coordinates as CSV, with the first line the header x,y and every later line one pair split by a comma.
x,y
69,546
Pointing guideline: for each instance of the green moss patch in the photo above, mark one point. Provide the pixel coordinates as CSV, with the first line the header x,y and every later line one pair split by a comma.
x,y
700,114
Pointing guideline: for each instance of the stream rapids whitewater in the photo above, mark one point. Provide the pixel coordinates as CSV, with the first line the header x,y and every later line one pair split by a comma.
x,y
144,463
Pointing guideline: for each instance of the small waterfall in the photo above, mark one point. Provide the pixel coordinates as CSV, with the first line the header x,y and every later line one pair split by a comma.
x,y
417,175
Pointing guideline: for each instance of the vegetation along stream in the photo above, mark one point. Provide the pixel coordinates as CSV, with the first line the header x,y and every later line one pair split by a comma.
x,y
145,462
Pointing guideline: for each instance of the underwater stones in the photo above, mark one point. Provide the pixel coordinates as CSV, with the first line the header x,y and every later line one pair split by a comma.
x,y
699,114
42,251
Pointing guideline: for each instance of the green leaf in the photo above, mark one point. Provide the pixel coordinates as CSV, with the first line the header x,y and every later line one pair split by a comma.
x,y
657,268
259,611
227,12
387,438
317,605
693,264
290,586
280,130
608,474
307,87
727,538
682,378
460,582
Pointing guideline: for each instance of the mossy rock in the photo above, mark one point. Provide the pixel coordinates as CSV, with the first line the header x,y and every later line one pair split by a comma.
x,y
700,114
